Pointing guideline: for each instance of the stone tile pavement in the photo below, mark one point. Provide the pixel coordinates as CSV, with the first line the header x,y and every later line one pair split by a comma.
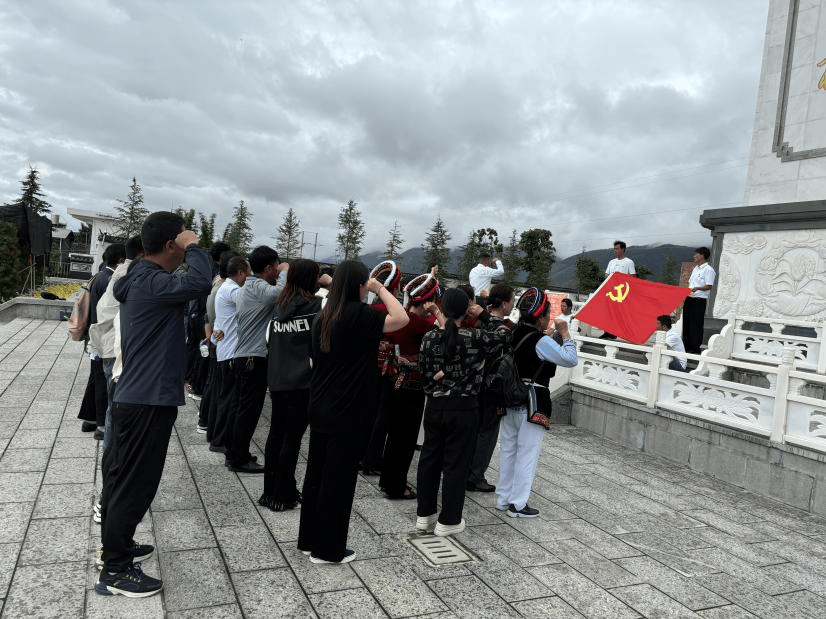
x,y
620,533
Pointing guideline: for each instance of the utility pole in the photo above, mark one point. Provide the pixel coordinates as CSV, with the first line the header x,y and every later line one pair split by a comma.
x,y
314,244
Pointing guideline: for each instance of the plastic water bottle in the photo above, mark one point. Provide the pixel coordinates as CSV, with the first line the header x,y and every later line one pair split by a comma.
x,y
204,348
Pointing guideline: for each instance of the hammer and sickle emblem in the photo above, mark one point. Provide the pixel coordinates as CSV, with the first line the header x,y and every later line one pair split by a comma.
x,y
622,291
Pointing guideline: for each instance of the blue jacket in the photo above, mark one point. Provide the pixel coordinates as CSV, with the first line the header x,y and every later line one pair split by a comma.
x,y
152,329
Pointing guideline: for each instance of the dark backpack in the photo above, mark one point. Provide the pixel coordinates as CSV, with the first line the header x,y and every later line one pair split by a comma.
x,y
503,386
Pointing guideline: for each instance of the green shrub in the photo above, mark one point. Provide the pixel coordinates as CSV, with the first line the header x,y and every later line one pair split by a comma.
x,y
12,262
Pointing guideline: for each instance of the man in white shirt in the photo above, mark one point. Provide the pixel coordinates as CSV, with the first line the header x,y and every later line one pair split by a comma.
x,y
225,334
694,307
567,306
673,341
620,263
482,275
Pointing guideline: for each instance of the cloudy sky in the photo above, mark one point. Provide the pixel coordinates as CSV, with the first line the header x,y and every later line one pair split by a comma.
x,y
596,119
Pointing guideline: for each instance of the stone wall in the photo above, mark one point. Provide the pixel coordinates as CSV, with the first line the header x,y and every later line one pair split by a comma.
x,y
792,475
30,307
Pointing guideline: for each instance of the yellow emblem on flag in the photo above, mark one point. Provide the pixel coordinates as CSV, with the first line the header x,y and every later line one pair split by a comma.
x,y
622,292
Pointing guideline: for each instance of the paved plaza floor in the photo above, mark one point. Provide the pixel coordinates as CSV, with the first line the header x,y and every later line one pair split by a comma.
x,y
620,533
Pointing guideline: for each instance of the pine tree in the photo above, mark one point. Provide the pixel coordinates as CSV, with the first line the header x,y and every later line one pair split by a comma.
x,y
131,213
511,261
31,194
238,233
669,272
588,274
207,235
435,247
351,235
483,240
538,248
288,241
392,250
189,218
643,271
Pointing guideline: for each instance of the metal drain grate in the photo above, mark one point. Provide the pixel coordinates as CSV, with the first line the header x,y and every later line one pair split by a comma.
x,y
440,551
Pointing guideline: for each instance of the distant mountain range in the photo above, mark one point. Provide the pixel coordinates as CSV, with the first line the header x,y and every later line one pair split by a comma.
x,y
563,274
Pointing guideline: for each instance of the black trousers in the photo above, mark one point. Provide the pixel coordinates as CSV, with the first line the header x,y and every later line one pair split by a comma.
x,y
226,405
450,428
140,438
404,409
209,399
251,386
373,460
287,426
485,441
694,311
95,401
329,488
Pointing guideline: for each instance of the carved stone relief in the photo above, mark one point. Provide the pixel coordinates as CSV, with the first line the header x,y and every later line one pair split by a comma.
x,y
774,274
721,401
612,376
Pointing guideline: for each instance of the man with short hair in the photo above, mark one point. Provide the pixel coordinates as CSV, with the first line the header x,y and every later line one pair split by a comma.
x,y
694,307
566,305
620,263
225,334
481,276
254,303
673,341
149,391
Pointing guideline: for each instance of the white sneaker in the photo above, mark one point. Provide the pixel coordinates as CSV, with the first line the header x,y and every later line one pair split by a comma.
x,y
426,523
349,555
449,529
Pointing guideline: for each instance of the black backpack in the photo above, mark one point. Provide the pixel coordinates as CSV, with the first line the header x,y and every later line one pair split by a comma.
x,y
503,386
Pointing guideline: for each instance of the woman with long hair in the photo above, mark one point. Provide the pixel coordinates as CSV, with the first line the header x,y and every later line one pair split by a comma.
x,y
451,362
536,354
288,377
345,338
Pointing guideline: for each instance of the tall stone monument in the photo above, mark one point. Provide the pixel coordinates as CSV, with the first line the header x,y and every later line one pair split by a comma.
x,y
770,254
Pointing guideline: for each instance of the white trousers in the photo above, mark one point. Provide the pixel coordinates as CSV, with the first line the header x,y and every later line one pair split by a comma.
x,y
519,445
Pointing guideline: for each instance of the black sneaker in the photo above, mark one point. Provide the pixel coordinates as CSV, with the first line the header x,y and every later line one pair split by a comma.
x,y
525,512
132,583
140,553
88,426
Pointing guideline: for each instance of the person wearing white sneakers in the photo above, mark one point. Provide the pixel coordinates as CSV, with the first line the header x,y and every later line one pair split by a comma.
x,y
536,354
451,362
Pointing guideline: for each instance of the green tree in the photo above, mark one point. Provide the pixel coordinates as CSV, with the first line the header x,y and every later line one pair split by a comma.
x,y
511,261
539,251
643,271
190,222
483,240
351,231
435,247
31,196
207,235
238,233
288,241
669,272
12,262
130,213
393,248
588,274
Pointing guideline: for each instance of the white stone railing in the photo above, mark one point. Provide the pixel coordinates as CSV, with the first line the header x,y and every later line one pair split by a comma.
x,y
736,342
779,412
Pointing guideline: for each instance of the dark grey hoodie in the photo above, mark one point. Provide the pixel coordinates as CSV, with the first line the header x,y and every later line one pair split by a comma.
x,y
289,344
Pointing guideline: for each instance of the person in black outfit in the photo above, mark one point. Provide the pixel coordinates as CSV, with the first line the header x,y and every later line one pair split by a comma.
x,y
95,399
345,337
148,393
288,376
451,363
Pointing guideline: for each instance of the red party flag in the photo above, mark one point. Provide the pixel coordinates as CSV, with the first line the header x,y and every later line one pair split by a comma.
x,y
628,307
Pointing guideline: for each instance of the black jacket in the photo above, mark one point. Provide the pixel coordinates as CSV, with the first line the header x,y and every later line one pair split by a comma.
x,y
289,344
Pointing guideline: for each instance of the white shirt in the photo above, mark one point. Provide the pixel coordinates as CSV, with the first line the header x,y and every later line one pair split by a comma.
x,y
702,275
480,276
623,265
566,318
675,343
226,319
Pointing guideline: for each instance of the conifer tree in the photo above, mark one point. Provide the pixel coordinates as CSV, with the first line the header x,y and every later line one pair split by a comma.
x,y
539,251
511,261
588,274
189,218
392,250
207,224
130,213
669,272
31,195
483,240
288,241
435,247
351,232
238,233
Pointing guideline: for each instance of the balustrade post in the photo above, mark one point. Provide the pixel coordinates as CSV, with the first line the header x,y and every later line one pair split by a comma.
x,y
654,364
781,392
821,358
